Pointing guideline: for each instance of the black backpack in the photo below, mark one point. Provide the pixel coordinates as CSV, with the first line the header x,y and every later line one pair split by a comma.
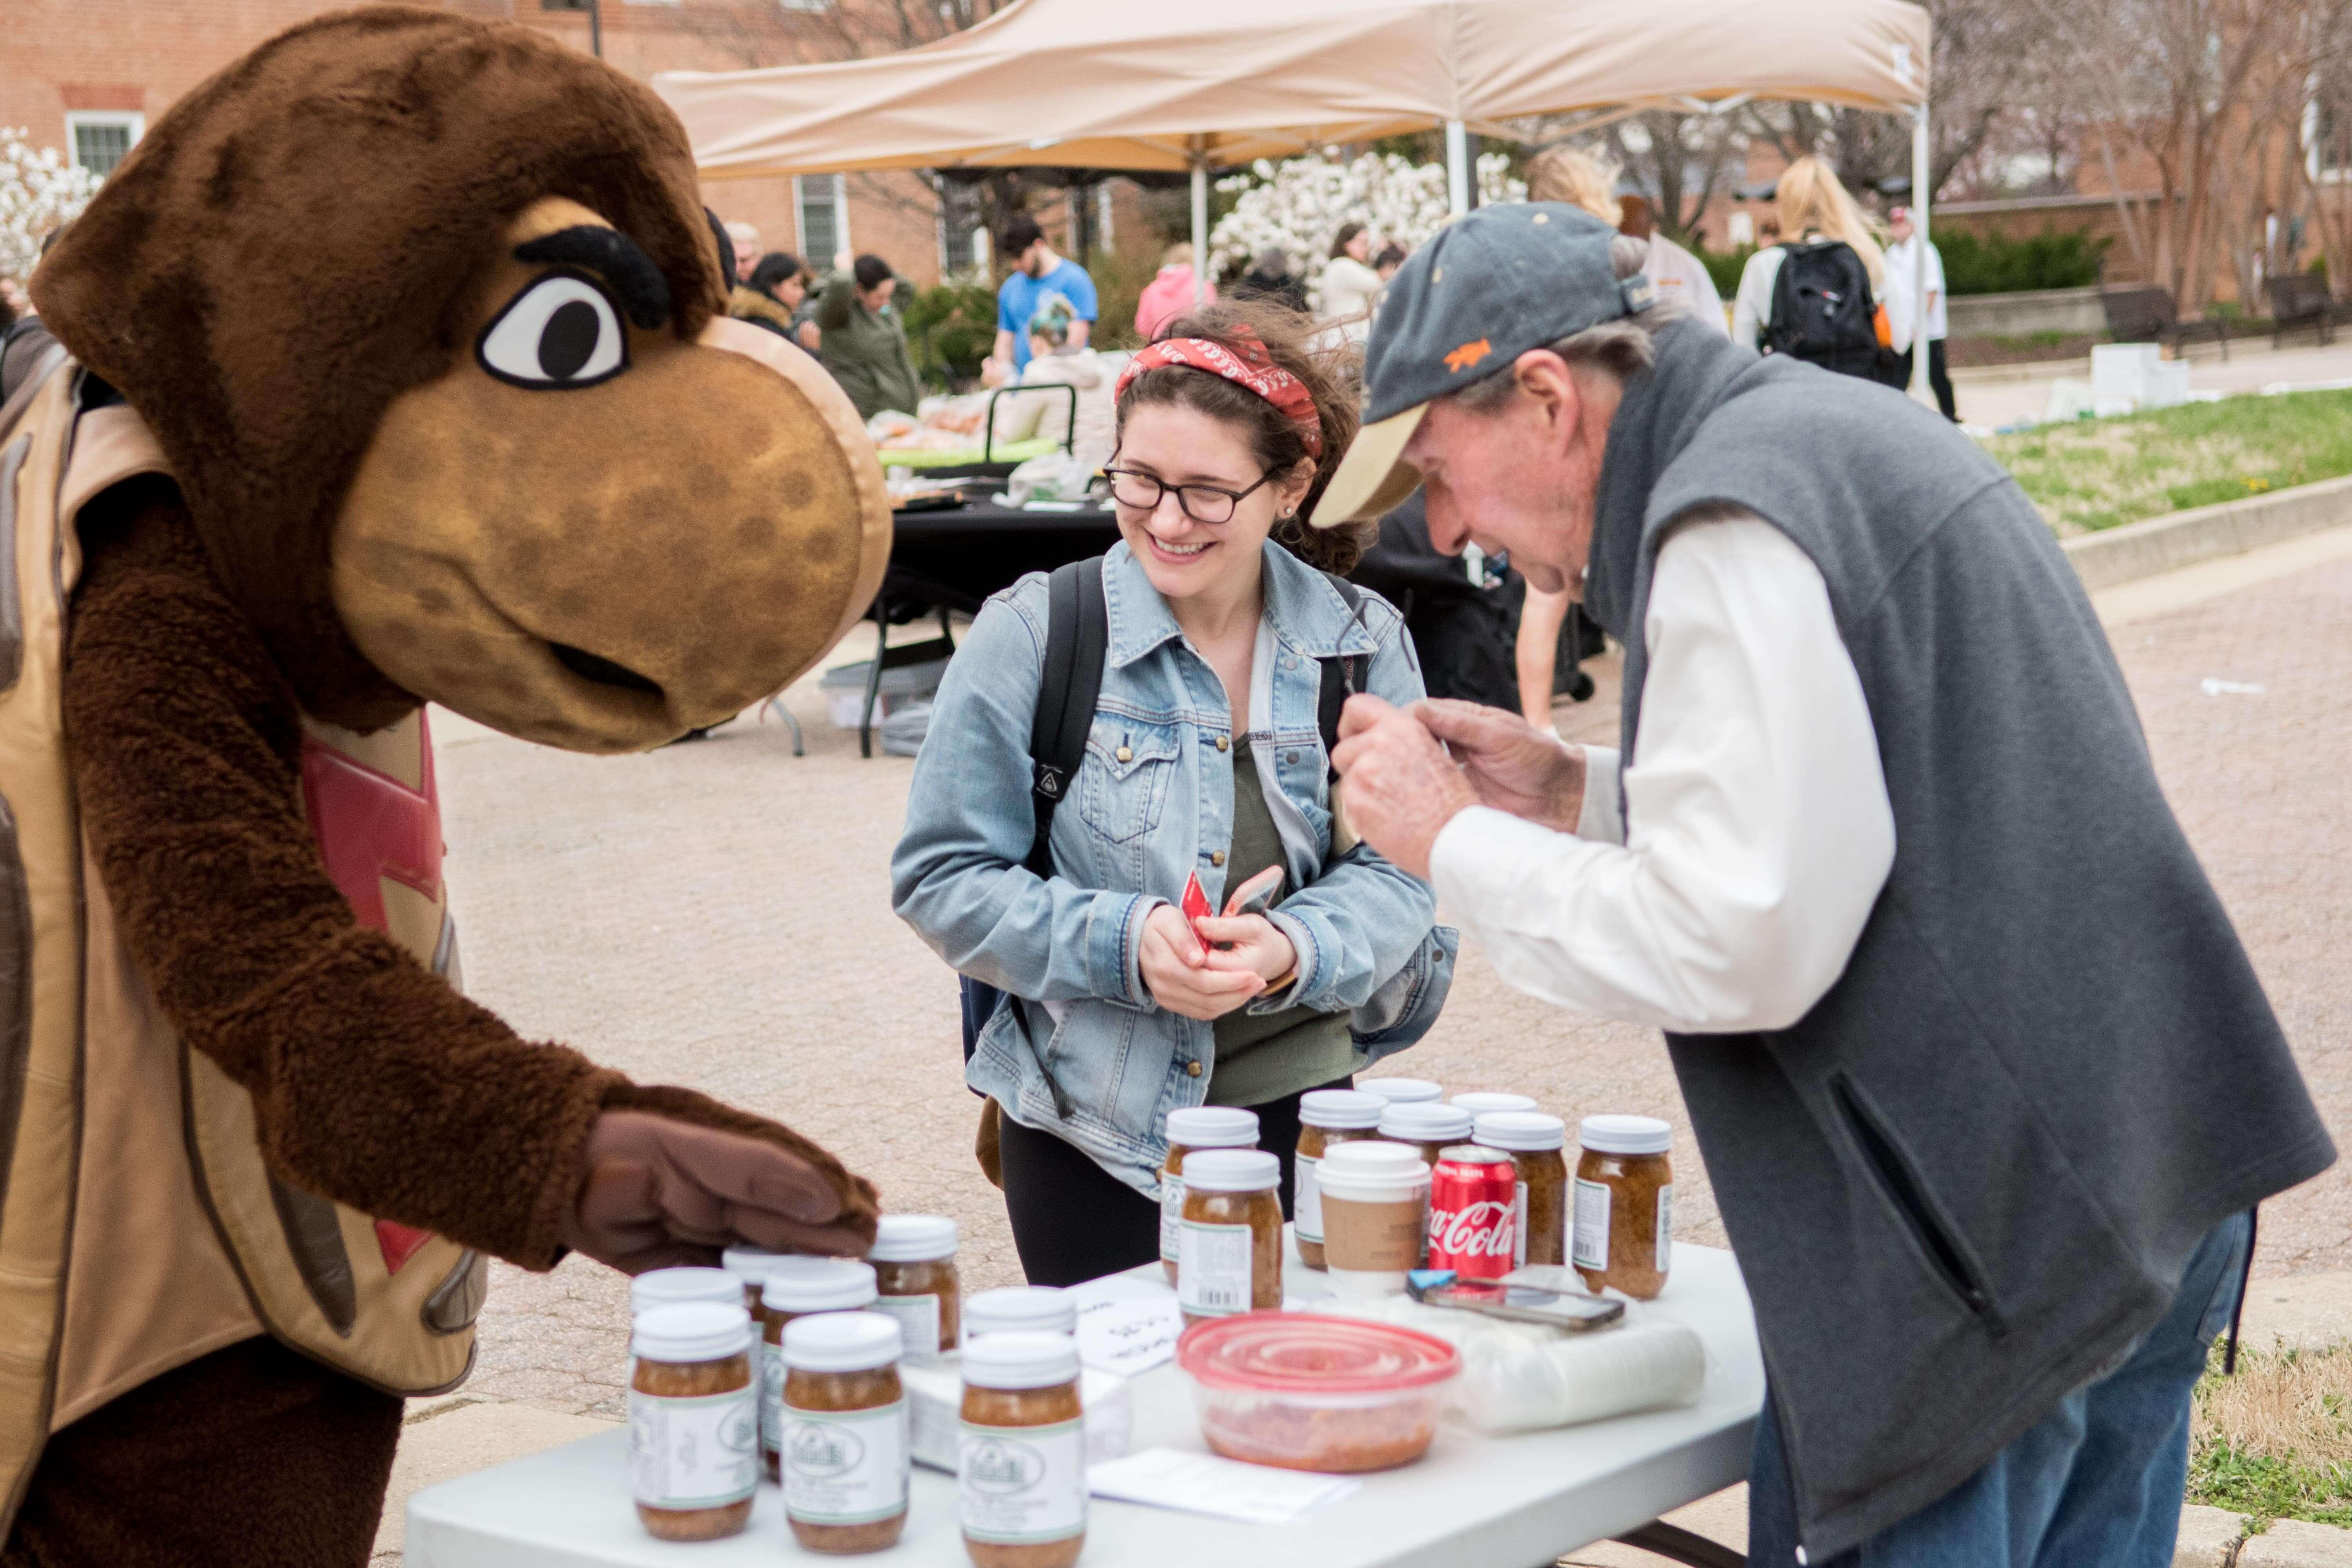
x,y
1823,313
1078,636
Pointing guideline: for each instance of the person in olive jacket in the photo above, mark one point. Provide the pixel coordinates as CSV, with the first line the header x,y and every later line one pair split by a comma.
x,y
865,341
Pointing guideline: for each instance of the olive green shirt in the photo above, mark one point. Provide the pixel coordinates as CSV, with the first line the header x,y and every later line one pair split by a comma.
x,y
866,349
1262,1056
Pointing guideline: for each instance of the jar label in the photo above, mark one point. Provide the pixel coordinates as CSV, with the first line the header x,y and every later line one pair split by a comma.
x,y
1591,1227
1212,1270
846,1467
1665,1225
1306,1202
1171,1216
1017,1486
918,1322
702,1452
1519,1230
772,1396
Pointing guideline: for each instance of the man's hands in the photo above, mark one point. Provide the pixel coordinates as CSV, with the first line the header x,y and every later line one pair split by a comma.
x,y
1402,788
1185,977
1513,765
658,1193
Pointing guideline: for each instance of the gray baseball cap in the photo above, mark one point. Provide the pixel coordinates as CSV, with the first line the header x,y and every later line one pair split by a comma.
x,y
1488,289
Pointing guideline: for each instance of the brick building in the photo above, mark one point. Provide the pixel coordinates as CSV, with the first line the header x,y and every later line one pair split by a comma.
x,y
90,76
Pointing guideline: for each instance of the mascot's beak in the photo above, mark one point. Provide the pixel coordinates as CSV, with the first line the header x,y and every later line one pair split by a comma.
x,y
604,563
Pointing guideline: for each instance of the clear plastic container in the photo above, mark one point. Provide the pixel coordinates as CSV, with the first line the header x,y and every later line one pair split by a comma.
x,y
1301,1392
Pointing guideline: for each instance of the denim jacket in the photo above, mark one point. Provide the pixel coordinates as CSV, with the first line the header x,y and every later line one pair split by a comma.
x,y
1083,1051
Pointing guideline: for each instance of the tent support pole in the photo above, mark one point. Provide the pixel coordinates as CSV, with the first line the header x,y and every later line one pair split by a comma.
x,y
1457,167
1200,223
1920,149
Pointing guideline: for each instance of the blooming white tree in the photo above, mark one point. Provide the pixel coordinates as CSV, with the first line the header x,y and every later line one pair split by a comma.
x,y
1300,204
39,189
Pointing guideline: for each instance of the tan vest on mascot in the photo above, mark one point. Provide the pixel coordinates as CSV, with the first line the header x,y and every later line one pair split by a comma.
x,y
138,1226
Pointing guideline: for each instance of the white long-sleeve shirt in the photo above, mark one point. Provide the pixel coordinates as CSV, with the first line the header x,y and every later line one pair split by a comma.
x,y
1724,890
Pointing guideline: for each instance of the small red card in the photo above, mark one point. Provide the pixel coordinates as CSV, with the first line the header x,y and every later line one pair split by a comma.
x,y
1196,904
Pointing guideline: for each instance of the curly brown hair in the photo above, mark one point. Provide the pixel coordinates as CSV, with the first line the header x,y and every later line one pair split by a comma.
x,y
1332,377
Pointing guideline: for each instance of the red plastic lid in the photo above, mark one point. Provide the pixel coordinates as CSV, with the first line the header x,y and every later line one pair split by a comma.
x,y
1300,1352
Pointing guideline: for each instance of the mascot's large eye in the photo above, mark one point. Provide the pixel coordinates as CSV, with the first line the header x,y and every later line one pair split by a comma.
x,y
562,331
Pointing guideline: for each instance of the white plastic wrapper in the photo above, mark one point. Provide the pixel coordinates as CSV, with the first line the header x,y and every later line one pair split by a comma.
x,y
1524,1377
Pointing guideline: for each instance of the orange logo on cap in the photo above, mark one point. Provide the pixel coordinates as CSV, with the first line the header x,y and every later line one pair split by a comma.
x,y
1468,354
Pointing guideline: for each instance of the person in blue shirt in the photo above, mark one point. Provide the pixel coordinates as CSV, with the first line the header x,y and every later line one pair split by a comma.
x,y
1037,271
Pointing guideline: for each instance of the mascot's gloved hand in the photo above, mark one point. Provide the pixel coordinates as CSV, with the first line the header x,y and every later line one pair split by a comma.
x,y
658,1193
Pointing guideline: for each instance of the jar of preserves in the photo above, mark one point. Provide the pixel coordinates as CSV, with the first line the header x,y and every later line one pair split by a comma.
x,y
797,1287
750,1264
1325,1117
1479,1102
914,1259
1021,1452
1534,1142
1202,1127
1230,1246
1625,1203
1375,1215
663,1287
694,1420
845,1444
1427,1125
1021,1309
1399,1090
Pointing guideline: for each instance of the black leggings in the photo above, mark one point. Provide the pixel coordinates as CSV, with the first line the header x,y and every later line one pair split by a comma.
x,y
1074,1221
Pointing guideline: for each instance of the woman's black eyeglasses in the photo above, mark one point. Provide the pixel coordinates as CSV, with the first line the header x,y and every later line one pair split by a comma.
x,y
1201,503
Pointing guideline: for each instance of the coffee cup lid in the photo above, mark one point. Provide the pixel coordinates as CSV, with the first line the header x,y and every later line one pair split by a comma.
x,y
1372,1161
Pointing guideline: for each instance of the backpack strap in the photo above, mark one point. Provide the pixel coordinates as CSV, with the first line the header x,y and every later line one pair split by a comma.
x,y
1078,636
1343,674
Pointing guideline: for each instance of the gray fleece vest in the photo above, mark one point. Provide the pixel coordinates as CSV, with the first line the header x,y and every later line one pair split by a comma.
x,y
1973,1174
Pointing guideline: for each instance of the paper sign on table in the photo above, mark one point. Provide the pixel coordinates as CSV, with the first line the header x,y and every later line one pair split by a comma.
x,y
1127,1326
1203,1483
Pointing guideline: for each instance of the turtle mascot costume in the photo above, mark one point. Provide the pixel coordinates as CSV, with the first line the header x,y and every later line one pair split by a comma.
x,y
391,367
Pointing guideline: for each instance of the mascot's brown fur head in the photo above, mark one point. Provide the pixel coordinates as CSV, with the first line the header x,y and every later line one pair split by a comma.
x,y
426,312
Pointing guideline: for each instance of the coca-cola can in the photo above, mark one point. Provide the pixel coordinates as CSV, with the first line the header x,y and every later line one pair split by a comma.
x,y
1473,1212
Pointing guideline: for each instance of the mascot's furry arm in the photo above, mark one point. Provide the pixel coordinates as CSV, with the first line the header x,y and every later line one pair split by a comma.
x,y
373,1082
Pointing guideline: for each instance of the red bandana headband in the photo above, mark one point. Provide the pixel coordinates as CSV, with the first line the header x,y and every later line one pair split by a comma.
x,y
1253,367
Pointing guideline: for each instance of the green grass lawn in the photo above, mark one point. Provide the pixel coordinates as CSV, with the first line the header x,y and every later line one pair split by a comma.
x,y
2098,473
2275,1441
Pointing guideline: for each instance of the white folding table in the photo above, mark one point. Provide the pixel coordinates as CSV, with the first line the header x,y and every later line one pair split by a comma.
x,y
1474,1502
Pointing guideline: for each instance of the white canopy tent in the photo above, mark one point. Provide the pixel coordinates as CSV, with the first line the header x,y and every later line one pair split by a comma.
x,y
1189,86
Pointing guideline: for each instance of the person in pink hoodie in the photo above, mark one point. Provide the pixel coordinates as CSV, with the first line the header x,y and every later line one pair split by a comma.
x,y
1169,294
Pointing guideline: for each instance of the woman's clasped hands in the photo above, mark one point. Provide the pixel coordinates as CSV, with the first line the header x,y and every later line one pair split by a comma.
x,y
1188,976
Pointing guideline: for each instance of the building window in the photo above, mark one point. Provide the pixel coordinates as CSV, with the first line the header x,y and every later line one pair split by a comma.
x,y
103,138
823,209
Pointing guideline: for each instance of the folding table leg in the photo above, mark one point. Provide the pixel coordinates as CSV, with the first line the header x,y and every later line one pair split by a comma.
x,y
873,682
1677,1544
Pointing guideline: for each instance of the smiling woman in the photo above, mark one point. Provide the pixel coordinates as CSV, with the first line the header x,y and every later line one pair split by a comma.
x,y
1206,759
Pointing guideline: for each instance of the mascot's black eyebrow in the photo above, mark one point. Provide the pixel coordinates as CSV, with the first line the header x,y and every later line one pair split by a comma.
x,y
644,291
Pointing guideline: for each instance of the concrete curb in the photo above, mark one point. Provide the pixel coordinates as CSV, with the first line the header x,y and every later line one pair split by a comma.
x,y
2202,533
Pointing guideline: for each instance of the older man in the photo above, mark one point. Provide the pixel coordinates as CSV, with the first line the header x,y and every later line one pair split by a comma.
x,y
1983,1079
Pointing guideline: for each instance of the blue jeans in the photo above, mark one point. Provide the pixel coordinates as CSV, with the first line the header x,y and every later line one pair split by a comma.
x,y
2096,1484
